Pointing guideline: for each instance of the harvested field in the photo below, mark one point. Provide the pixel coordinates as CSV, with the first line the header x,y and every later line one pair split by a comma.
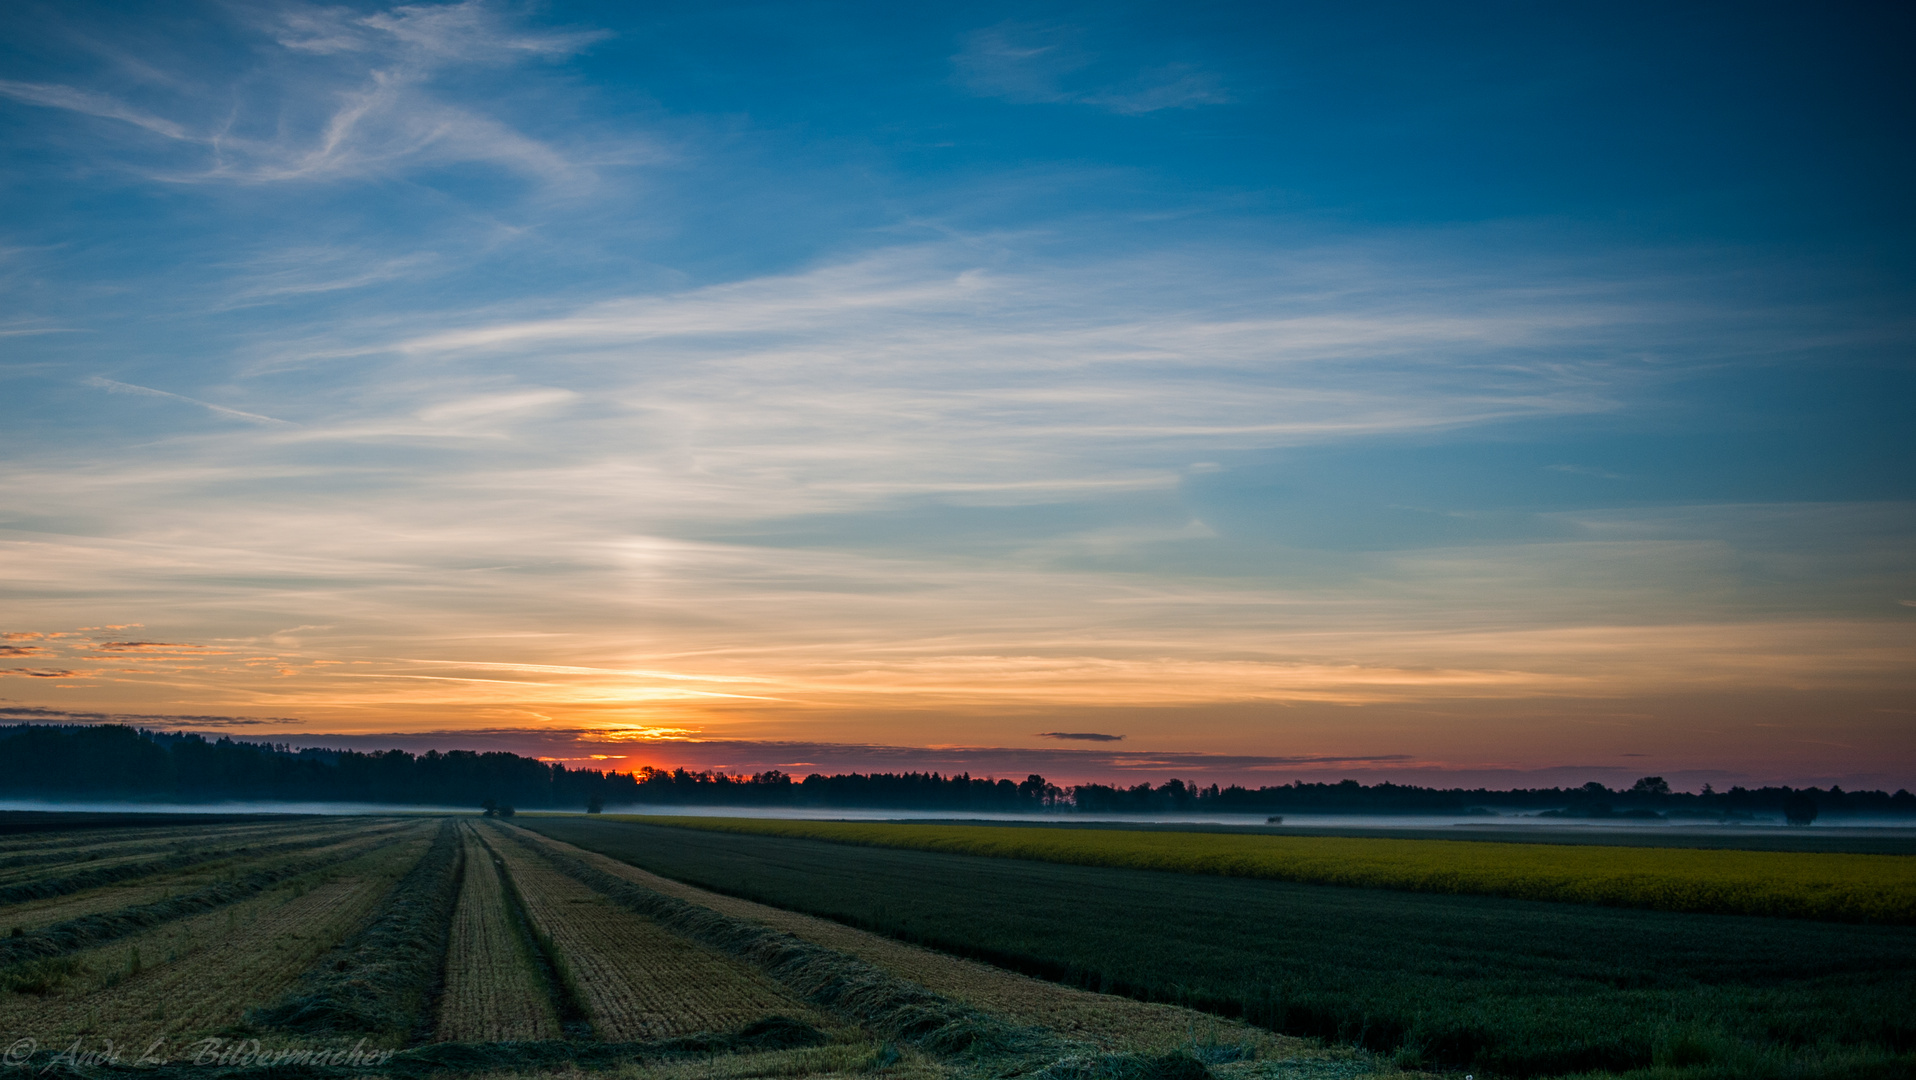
x,y
25,825
67,879
1111,1023
51,840
201,975
494,988
639,981
17,865
35,914
64,924
101,856
383,979
484,950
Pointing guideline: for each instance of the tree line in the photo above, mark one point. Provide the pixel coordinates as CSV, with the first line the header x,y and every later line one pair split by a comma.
x,y
115,762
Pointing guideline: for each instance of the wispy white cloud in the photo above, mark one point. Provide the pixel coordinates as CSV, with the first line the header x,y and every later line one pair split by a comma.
x,y
116,387
92,104
1173,86
468,32
1028,64
336,94
307,271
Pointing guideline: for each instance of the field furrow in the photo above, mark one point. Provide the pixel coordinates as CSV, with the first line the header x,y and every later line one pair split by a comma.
x,y
1113,1023
30,915
152,836
147,844
65,923
494,988
382,981
67,879
202,974
119,853
638,980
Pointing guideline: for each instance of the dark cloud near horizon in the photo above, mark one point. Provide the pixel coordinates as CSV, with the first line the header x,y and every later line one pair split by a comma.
x,y
1081,736
136,646
747,755
589,748
31,714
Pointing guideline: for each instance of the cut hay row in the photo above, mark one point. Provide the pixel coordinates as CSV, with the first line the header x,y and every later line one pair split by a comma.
x,y
30,915
229,883
34,915
638,981
889,1006
383,980
92,850
72,835
51,863
67,882
1839,887
200,975
104,856
495,991
1111,1023
40,914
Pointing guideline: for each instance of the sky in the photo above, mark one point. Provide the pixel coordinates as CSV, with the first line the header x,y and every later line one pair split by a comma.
x,y
1493,393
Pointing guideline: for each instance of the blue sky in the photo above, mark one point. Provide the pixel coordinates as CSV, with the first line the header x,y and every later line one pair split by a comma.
x,y
1379,389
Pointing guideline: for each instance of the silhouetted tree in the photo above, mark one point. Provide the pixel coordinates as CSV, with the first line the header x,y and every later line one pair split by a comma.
x,y
1799,808
94,761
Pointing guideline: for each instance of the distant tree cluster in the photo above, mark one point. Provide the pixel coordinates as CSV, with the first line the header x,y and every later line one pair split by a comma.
x,y
1649,797
115,762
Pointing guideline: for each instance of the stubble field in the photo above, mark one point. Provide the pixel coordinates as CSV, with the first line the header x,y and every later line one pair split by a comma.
x,y
415,946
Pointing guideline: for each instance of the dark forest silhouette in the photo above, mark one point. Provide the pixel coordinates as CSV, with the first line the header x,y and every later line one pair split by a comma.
x,y
111,762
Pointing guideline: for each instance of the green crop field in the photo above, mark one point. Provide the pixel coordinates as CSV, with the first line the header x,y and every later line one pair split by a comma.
x,y
426,946
1809,885
1490,984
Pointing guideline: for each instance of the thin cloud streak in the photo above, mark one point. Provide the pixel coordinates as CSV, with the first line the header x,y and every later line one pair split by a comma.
x,y
117,387
91,103
370,77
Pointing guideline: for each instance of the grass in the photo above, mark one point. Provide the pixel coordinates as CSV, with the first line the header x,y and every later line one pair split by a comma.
x,y
96,850
1805,885
1113,1024
495,991
35,915
882,1003
383,979
199,975
638,981
418,933
93,928
562,989
68,879
53,854
1468,982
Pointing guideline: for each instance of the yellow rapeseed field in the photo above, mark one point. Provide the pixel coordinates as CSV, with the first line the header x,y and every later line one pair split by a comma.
x,y
1804,885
